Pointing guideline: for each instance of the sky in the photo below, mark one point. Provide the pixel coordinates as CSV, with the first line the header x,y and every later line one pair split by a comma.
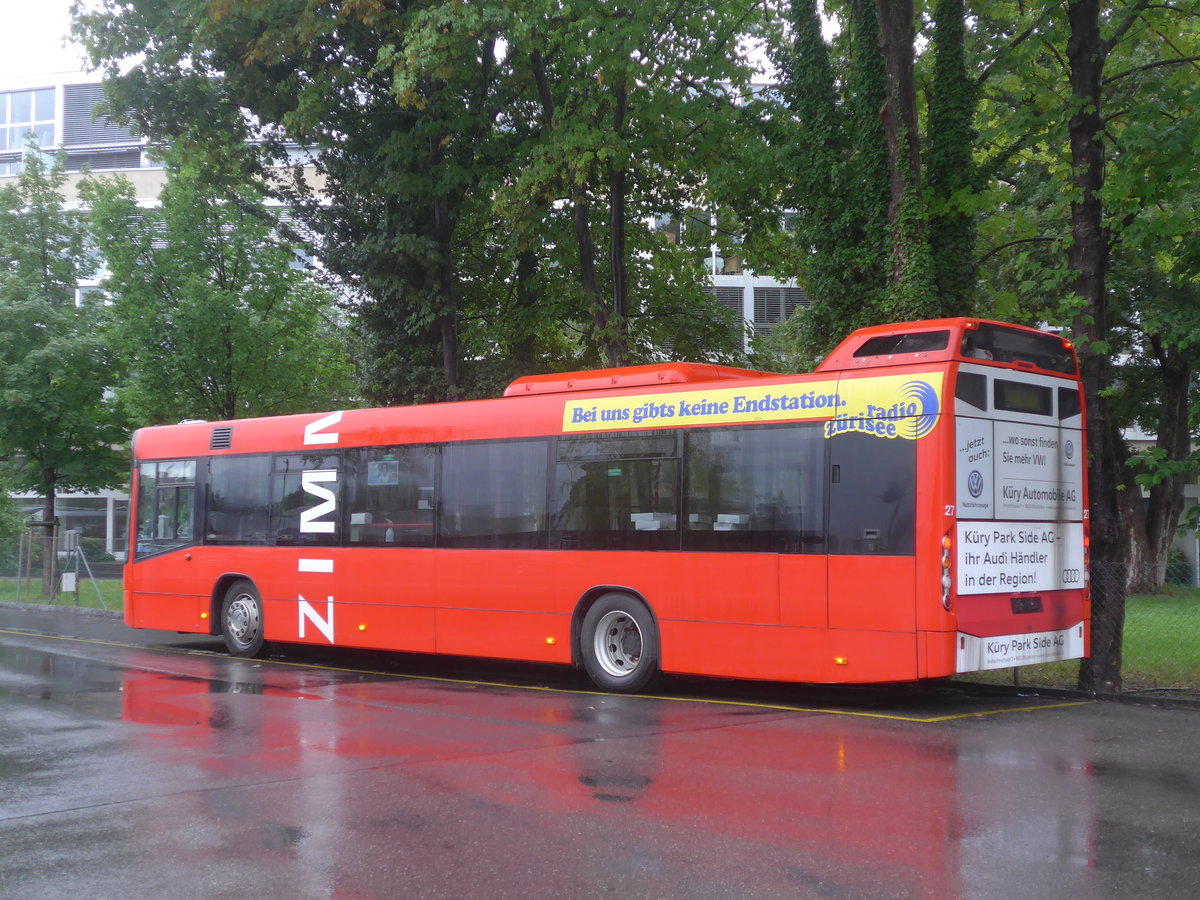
x,y
31,39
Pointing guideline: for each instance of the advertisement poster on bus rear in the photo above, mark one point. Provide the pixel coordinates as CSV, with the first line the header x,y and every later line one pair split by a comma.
x,y
1005,557
1018,471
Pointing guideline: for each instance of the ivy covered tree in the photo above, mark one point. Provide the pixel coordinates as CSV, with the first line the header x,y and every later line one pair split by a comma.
x,y
59,429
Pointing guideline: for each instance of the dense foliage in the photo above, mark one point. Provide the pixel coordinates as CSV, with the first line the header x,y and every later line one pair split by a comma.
x,y
214,317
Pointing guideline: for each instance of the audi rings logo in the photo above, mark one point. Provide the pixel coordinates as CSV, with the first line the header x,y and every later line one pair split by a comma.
x,y
975,483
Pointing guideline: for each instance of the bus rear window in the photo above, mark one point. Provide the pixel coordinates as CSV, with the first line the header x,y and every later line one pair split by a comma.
x,y
995,342
916,342
1019,396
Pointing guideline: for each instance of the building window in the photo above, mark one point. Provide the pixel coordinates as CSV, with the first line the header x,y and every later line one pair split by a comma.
x,y
22,113
773,305
82,125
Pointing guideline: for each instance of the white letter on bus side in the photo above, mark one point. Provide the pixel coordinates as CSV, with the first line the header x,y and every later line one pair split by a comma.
x,y
311,430
325,626
310,481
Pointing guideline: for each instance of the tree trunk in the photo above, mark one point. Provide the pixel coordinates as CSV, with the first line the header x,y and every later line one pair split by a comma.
x,y
443,230
581,216
616,345
899,118
1138,554
1173,441
524,346
912,292
587,264
49,544
1088,258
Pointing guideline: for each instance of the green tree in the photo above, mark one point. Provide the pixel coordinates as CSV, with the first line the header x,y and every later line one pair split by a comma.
x,y
1098,219
627,108
58,428
395,101
835,175
446,139
215,317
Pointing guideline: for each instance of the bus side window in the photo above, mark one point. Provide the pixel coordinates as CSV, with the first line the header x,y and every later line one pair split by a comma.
x,y
301,511
390,495
494,494
237,500
616,492
756,489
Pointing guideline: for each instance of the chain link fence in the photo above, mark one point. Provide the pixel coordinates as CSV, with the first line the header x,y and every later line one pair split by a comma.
x,y
1161,649
1161,636
80,572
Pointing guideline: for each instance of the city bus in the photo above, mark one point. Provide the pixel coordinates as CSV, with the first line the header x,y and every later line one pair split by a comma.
x,y
914,508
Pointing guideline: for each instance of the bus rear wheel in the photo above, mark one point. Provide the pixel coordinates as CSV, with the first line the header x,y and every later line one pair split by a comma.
x,y
242,619
619,643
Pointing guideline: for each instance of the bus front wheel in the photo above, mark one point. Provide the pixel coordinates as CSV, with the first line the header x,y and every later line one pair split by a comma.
x,y
619,643
242,619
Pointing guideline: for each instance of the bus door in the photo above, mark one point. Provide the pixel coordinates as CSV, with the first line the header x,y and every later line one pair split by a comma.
x,y
872,506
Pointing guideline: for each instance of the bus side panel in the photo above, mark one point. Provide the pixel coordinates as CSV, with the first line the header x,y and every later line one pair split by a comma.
x,y
378,599
172,605
938,654
803,583
746,651
719,587
812,655
872,592
167,612
533,637
861,656
502,604
390,595
497,580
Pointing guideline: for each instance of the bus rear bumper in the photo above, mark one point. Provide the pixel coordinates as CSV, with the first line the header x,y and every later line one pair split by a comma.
x,y
1003,651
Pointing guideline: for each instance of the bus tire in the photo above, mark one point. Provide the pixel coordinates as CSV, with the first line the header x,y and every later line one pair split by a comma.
x,y
619,643
242,619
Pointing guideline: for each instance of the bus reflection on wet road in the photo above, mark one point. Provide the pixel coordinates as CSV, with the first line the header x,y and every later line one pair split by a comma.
x,y
131,772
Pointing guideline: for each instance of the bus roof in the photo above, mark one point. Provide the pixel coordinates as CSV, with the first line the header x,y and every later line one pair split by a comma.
x,y
629,376
941,340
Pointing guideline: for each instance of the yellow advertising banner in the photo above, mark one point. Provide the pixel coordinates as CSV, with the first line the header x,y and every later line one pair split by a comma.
x,y
890,406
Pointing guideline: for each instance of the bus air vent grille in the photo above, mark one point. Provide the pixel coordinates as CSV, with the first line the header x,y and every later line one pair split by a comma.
x,y
222,438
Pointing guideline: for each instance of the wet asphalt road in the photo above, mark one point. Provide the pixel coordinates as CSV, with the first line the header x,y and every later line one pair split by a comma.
x,y
147,764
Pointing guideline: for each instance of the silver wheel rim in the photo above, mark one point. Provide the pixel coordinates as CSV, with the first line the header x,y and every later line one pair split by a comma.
x,y
618,644
243,620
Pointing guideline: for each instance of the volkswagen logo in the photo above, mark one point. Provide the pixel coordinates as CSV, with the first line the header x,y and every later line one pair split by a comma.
x,y
975,483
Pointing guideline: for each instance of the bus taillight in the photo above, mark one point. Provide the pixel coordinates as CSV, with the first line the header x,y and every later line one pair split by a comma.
x,y
946,545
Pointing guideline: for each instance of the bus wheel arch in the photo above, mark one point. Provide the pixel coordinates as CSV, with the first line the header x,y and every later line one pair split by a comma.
x,y
615,638
241,622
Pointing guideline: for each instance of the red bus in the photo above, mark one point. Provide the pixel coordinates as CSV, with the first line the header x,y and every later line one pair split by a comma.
x,y
914,508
